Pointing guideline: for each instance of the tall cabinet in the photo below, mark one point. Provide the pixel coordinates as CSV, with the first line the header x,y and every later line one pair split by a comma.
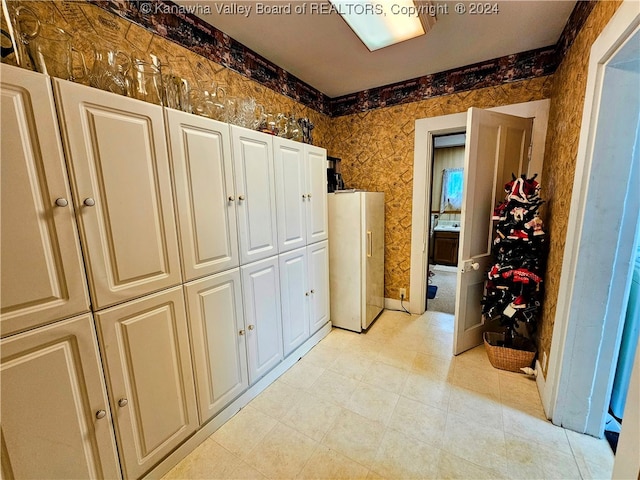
x,y
144,283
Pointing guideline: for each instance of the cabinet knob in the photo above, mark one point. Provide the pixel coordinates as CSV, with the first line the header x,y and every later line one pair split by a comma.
x,y
231,198
101,414
308,195
306,294
313,291
304,196
251,327
241,332
61,202
89,202
240,197
123,402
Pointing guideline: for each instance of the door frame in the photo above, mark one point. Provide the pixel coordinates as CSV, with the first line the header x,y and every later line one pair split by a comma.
x,y
579,377
425,130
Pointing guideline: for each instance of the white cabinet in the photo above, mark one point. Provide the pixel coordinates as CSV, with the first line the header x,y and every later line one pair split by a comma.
x,y
301,193
56,421
255,190
317,209
42,276
261,292
117,155
205,199
295,297
304,285
218,340
147,362
318,255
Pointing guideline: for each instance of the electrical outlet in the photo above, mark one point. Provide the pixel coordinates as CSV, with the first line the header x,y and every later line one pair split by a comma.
x,y
403,293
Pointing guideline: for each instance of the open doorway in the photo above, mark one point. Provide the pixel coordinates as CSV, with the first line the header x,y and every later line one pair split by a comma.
x,y
444,221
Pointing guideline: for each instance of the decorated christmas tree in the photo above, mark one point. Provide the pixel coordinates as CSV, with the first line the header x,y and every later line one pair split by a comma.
x,y
513,289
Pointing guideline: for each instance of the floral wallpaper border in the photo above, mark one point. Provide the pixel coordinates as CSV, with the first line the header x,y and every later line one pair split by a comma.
x,y
165,19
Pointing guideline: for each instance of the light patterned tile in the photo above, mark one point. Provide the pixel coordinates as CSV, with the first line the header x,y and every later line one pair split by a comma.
x,y
373,402
385,376
536,430
302,374
476,407
355,436
432,366
482,445
400,457
351,365
452,467
593,455
311,416
419,421
532,460
208,460
277,399
334,387
327,464
427,390
397,356
282,453
234,435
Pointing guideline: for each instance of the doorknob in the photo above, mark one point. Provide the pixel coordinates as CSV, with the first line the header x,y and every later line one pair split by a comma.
x,y
475,265
469,265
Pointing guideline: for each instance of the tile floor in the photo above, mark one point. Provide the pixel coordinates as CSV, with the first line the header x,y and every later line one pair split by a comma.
x,y
393,404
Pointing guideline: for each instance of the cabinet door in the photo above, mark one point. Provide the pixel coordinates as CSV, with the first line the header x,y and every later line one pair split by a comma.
x,y
42,276
318,255
145,350
295,298
218,340
255,189
291,193
117,155
261,291
56,421
317,211
203,179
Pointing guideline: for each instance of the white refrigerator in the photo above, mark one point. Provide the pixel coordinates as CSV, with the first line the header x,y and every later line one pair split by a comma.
x,y
356,258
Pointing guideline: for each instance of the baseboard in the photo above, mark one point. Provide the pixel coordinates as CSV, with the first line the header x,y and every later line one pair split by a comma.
x,y
541,384
234,407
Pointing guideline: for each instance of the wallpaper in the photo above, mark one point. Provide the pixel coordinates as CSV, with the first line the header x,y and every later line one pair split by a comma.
x,y
565,118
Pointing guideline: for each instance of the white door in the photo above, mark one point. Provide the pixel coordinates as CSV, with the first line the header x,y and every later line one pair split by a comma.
x,y
255,190
291,193
496,146
217,331
117,155
261,291
203,178
318,256
296,297
317,209
147,361
56,421
42,272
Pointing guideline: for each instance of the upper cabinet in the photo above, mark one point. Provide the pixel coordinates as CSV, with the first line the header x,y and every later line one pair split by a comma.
x,y
41,264
255,190
317,210
200,151
117,156
301,192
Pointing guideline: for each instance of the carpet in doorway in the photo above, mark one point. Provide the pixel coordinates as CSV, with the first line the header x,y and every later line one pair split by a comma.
x,y
445,300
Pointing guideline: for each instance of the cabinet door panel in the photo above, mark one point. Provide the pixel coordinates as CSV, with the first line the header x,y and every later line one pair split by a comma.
x,y
42,273
291,193
261,291
255,188
295,298
145,348
317,211
203,179
217,337
318,255
52,388
118,158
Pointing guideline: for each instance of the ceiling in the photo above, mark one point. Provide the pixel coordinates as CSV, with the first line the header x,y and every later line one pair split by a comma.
x,y
321,49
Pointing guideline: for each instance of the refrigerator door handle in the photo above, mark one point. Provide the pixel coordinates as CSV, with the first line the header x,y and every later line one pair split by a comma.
x,y
369,243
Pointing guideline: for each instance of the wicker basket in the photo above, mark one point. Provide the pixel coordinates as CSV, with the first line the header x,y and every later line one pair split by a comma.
x,y
511,359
